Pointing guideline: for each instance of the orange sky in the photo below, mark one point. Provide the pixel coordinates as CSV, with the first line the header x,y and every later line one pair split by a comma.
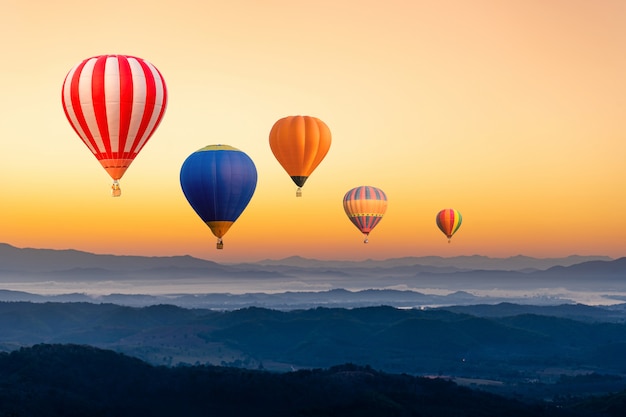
x,y
511,112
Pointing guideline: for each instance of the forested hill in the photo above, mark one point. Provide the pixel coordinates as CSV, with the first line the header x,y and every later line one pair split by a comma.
x,y
478,340
73,380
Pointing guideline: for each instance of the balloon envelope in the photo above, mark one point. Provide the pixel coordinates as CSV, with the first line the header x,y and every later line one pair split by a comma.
x,y
449,221
300,143
365,206
114,103
218,181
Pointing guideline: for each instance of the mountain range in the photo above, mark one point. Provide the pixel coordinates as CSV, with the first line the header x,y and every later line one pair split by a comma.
x,y
40,275
510,326
506,348
32,260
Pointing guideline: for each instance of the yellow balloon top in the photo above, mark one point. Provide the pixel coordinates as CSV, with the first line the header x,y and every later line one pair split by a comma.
x,y
218,148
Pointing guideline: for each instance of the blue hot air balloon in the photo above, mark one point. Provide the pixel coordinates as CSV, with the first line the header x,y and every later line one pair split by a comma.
x,y
218,181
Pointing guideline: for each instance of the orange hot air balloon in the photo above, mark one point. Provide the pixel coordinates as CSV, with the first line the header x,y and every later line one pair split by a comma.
x,y
449,221
299,143
365,206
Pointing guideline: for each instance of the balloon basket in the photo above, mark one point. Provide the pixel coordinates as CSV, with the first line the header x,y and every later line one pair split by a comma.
x,y
299,192
116,191
220,244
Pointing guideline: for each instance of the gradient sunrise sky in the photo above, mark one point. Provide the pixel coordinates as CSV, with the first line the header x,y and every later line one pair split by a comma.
x,y
512,112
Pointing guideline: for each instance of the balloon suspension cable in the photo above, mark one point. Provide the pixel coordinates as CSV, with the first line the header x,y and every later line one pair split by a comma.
x,y
220,243
299,192
116,191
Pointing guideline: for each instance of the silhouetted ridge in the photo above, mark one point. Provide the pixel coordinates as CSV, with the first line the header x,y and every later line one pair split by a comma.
x,y
617,266
73,380
39,260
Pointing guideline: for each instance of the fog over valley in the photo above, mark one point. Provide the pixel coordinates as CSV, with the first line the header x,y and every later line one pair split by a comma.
x,y
68,275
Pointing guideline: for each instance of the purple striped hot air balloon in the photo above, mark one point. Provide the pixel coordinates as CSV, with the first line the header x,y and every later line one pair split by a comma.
x,y
365,206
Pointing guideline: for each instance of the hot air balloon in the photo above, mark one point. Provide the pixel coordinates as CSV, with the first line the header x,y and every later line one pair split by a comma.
x,y
299,143
449,221
218,181
114,103
365,207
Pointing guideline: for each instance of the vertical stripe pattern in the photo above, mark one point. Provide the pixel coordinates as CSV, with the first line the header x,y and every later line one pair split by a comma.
x,y
365,206
114,103
449,221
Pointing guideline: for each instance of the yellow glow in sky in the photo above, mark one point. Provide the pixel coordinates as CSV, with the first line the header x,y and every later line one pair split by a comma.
x,y
511,112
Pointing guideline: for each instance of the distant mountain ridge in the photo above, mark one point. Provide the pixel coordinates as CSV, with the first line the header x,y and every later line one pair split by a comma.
x,y
339,298
297,282
13,259
514,263
617,266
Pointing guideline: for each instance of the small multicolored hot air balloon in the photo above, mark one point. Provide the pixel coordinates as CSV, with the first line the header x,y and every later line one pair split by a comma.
x,y
114,103
218,181
365,206
449,221
299,143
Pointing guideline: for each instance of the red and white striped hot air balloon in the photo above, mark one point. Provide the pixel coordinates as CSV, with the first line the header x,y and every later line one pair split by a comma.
x,y
114,103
